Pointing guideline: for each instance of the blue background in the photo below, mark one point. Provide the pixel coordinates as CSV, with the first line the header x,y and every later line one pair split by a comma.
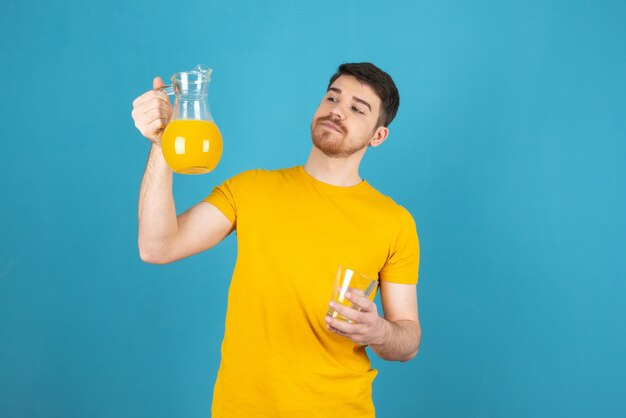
x,y
508,150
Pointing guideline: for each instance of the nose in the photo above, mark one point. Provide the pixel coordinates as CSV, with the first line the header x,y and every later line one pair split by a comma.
x,y
336,112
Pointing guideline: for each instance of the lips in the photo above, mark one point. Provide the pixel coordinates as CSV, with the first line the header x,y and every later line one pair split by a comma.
x,y
331,126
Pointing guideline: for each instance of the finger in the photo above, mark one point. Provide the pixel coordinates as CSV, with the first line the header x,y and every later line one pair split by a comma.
x,y
142,122
152,114
154,103
154,128
150,95
144,118
339,325
143,98
336,331
157,83
346,311
151,111
360,300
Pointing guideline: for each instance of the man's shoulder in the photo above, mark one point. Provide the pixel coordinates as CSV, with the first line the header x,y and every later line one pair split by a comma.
x,y
385,201
263,172
259,177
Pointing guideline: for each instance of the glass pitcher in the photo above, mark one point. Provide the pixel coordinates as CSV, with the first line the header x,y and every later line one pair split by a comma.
x,y
191,142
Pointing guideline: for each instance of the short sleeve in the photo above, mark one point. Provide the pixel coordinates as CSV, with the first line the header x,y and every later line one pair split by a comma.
x,y
230,195
403,261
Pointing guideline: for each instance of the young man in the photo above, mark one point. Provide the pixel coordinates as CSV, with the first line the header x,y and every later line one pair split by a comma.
x,y
282,356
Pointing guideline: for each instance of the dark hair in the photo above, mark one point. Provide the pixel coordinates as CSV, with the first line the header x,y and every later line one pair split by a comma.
x,y
378,80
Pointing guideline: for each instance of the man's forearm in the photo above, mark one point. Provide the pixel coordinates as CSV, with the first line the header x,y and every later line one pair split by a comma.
x,y
400,340
157,213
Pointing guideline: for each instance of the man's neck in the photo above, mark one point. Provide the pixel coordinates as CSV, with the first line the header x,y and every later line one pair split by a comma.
x,y
335,171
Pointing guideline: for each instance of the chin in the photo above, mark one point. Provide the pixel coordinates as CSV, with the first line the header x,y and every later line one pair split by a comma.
x,y
327,148
331,148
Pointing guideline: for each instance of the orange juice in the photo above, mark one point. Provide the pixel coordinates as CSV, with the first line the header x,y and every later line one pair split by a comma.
x,y
192,146
339,298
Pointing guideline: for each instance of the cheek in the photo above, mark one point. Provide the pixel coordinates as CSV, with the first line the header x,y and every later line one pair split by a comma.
x,y
321,108
317,113
363,131
372,126
321,111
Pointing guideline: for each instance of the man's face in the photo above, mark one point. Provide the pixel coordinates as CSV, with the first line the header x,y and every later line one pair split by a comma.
x,y
345,121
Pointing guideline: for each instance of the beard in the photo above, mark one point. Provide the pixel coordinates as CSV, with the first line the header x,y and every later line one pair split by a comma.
x,y
332,143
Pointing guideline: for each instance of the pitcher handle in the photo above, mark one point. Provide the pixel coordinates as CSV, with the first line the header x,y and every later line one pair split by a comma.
x,y
169,90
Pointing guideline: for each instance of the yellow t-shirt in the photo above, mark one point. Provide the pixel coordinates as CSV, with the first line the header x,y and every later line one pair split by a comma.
x,y
278,358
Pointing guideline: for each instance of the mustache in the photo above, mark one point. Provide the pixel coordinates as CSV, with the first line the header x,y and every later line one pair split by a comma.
x,y
333,121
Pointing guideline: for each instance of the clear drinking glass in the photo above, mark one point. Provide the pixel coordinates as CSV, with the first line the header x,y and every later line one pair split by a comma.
x,y
350,280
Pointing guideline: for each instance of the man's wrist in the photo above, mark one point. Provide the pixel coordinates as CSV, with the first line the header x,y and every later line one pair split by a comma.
x,y
386,329
156,158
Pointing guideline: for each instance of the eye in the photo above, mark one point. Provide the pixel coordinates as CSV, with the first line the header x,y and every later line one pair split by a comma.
x,y
356,109
332,99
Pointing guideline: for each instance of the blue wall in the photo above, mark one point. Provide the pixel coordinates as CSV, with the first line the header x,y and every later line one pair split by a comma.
x,y
509,150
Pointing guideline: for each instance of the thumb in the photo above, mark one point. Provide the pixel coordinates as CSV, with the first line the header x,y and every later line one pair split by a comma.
x,y
157,83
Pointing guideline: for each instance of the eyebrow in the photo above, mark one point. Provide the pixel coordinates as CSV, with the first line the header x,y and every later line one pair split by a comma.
x,y
356,99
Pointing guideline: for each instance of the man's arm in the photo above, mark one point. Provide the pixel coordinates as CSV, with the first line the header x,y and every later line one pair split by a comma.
x,y
395,337
163,236
403,334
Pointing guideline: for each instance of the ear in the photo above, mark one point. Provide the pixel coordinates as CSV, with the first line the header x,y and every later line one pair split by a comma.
x,y
380,134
